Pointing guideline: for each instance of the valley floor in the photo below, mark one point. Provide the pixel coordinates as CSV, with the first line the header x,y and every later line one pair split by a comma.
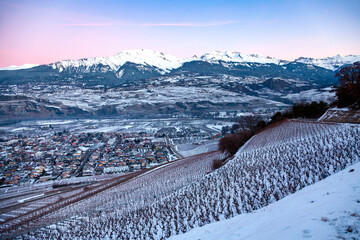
x,y
329,209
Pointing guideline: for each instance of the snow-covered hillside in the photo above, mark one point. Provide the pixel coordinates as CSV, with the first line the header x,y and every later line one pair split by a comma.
x,y
90,100
274,164
329,209
331,63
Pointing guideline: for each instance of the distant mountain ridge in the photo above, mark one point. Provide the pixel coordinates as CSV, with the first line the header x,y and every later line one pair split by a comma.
x,y
132,66
227,56
14,67
166,62
331,63
163,62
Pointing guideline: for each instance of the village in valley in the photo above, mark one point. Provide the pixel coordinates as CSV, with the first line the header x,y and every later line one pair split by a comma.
x,y
65,155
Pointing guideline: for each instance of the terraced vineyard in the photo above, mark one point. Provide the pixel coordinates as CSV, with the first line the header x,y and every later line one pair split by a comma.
x,y
124,193
273,164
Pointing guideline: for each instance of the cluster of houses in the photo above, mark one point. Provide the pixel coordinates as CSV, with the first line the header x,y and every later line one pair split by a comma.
x,y
128,152
65,155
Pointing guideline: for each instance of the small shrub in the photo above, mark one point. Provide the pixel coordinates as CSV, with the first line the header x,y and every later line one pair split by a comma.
x,y
324,219
230,144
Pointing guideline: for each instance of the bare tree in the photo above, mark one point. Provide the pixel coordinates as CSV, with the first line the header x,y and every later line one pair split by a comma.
x,y
348,92
249,122
230,144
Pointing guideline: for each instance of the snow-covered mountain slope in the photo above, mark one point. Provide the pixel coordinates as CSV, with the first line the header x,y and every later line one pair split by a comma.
x,y
274,164
162,61
328,209
13,67
331,63
227,56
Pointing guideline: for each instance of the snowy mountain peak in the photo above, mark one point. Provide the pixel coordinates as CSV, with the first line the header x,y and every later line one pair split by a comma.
x,y
237,57
331,63
164,62
13,67
147,57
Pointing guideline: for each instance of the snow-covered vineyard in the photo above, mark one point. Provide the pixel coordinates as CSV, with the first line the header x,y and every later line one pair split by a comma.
x,y
328,209
136,193
272,165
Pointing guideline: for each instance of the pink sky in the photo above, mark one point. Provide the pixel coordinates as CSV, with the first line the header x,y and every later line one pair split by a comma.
x,y
42,32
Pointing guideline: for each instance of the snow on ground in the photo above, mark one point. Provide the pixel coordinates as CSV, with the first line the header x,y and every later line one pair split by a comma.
x,y
188,150
341,115
329,209
216,127
91,99
103,129
54,122
312,95
21,129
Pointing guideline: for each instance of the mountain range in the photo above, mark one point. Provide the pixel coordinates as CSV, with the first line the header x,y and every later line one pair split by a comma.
x,y
130,65
145,82
168,62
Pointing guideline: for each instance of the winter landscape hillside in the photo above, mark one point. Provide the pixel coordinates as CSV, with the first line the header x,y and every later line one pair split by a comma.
x,y
272,165
325,210
154,120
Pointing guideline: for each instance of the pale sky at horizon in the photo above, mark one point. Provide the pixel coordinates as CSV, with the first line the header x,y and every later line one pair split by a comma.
x,y
42,31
